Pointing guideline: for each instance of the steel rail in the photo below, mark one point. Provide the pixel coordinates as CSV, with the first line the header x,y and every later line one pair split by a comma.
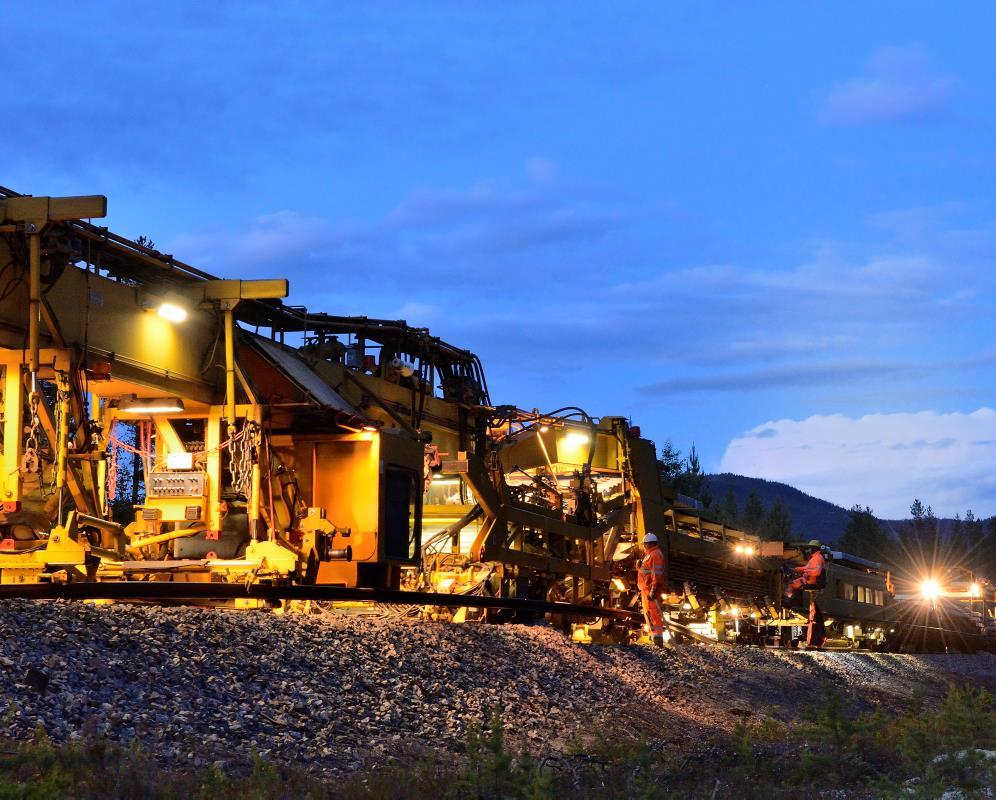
x,y
161,592
171,592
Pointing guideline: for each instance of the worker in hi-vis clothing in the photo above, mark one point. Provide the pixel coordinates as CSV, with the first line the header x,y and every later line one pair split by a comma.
x,y
650,579
812,574
812,578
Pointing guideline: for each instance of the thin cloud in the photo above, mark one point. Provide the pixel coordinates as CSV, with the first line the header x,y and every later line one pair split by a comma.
x,y
900,86
881,460
268,240
541,170
447,207
798,375
432,232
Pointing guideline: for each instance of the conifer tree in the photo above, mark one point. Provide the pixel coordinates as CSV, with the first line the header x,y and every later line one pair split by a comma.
x,y
864,537
670,464
753,513
777,525
691,479
729,512
957,544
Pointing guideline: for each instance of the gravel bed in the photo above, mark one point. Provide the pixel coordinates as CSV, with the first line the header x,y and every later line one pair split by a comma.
x,y
334,693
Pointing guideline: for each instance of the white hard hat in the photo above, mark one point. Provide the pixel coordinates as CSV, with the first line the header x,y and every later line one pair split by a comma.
x,y
650,537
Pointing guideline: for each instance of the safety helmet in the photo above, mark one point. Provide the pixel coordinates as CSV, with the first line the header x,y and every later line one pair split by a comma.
x,y
814,543
650,538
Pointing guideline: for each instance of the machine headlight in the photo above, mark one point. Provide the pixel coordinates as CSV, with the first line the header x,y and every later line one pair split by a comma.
x,y
930,589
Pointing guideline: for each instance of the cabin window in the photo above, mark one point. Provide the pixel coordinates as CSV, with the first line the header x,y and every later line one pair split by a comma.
x,y
402,508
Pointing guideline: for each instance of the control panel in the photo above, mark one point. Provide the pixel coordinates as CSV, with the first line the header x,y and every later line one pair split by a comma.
x,y
177,484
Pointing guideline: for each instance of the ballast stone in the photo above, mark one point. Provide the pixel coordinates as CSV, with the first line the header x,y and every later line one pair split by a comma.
x,y
336,693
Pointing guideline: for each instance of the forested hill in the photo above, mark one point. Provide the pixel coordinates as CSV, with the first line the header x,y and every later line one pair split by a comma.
x,y
811,517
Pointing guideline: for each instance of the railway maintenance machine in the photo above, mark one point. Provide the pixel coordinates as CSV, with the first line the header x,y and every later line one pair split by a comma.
x,y
268,444
254,467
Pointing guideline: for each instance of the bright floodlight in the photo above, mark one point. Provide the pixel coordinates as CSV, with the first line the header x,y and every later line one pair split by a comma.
x,y
150,405
739,549
575,438
930,589
975,590
172,313
748,550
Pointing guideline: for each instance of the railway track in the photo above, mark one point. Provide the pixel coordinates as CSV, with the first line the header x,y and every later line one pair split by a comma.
x,y
172,593
162,592
153,591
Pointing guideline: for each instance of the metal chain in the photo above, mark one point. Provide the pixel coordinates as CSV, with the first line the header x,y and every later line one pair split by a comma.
x,y
30,460
233,461
112,471
242,450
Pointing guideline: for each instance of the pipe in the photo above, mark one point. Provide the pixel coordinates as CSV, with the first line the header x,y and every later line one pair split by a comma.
x,y
451,530
138,544
230,371
34,305
546,455
255,501
63,441
108,526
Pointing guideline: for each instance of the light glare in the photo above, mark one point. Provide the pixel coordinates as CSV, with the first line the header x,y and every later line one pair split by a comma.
x,y
151,405
930,589
172,313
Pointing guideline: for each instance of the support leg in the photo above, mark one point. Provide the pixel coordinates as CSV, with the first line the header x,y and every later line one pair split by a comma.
x,y
816,633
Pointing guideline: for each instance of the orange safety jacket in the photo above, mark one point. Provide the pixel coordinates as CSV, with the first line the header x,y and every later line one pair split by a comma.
x,y
650,572
813,568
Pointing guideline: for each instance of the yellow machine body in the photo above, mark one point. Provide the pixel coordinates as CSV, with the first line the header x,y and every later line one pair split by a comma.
x,y
271,450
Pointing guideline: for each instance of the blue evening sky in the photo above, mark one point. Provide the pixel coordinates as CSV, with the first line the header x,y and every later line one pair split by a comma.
x,y
764,228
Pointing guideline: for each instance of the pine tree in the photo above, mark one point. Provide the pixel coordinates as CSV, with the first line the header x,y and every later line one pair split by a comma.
x,y
729,512
918,545
864,537
683,475
987,562
975,535
931,537
753,513
670,465
957,544
777,525
691,480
